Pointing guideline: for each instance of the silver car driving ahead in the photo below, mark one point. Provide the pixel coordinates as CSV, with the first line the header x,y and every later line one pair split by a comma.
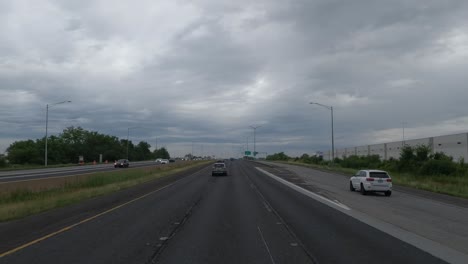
x,y
219,169
371,181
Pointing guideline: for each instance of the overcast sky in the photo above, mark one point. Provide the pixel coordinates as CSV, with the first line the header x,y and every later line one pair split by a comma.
x,y
202,72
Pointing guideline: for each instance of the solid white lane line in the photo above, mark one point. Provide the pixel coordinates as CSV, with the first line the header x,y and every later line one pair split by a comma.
x,y
434,248
306,192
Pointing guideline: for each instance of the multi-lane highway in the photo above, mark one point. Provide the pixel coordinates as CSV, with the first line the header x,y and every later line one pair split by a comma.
x,y
260,213
21,175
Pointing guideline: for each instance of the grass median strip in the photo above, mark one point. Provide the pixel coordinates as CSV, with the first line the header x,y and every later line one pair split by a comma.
x,y
452,185
22,202
15,167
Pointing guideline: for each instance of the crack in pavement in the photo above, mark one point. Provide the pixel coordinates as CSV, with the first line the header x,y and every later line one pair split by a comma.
x,y
176,227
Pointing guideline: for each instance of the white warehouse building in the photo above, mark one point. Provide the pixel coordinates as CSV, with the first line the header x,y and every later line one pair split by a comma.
x,y
452,145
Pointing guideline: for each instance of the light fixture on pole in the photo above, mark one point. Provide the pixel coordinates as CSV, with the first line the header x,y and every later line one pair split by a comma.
x,y
47,125
255,129
332,132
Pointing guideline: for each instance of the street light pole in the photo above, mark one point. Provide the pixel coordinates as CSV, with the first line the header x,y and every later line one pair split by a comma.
x,y
47,126
128,135
403,126
255,129
332,129
333,136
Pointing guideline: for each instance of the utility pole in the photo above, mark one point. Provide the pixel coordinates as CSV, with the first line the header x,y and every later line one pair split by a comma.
x,y
255,129
47,126
332,131
128,135
403,127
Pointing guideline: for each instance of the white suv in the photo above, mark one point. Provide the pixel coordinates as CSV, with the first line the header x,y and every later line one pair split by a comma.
x,y
371,181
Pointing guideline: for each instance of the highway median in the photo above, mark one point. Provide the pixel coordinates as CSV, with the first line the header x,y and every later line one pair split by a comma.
x,y
21,199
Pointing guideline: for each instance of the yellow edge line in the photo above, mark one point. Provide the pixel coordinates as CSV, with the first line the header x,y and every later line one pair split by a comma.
x,y
82,221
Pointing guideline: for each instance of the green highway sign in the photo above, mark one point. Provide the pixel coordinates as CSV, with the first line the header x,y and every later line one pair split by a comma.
x,y
248,153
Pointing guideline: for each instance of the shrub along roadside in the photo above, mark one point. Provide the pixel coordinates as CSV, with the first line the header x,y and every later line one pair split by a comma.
x,y
416,168
24,202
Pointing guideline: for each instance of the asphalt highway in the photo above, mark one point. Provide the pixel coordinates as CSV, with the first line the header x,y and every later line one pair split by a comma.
x,y
20,175
246,217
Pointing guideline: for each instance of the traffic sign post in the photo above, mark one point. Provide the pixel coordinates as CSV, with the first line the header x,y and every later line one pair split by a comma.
x,y
247,153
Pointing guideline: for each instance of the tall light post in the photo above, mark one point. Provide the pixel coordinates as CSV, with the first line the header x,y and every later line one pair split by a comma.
x,y
332,136
403,127
47,125
255,129
128,135
192,150
247,143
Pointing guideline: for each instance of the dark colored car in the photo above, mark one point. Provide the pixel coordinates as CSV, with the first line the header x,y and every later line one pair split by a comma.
x,y
219,169
171,160
121,163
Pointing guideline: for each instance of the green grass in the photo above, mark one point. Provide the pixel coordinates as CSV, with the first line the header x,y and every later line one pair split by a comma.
x,y
451,185
13,167
22,203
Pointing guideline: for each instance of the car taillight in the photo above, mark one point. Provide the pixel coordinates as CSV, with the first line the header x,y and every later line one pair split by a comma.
x,y
389,180
369,179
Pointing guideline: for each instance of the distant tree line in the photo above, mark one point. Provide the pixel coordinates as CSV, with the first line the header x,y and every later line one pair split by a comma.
x,y
76,141
416,160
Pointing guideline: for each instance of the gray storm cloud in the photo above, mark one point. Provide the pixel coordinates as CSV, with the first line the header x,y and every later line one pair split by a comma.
x,y
202,72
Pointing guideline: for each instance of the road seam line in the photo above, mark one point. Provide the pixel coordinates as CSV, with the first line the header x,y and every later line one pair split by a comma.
x,y
266,245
